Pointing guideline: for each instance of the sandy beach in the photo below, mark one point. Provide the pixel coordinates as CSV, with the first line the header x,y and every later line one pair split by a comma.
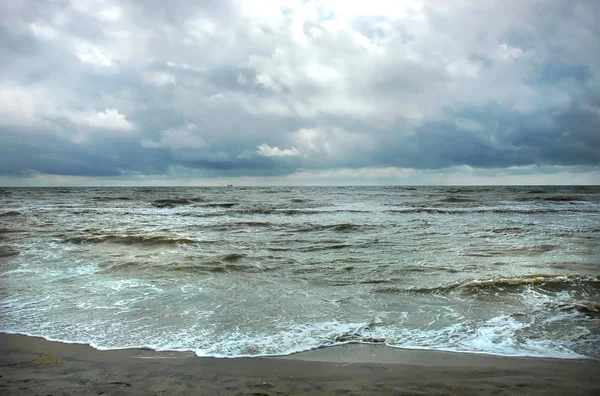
x,y
33,366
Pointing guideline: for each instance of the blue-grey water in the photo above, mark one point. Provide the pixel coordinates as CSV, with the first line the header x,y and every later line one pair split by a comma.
x,y
238,271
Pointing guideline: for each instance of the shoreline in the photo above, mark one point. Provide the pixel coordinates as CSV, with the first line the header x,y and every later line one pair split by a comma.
x,y
32,365
342,352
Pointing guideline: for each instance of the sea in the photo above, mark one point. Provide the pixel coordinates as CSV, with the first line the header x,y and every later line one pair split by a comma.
x,y
260,271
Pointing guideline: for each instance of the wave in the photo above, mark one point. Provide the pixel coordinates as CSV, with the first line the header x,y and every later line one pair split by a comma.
x,y
467,211
336,246
230,268
225,205
530,250
543,248
299,200
389,290
234,256
5,231
500,335
173,202
196,268
375,281
552,198
459,190
547,283
108,199
227,264
292,212
591,310
507,230
426,210
271,211
201,214
550,283
263,211
356,337
126,239
278,249
7,251
561,198
232,262
242,225
348,260
345,227
342,227
457,200
10,213
217,268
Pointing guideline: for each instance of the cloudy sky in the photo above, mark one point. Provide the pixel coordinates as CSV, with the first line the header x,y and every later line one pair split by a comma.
x,y
206,92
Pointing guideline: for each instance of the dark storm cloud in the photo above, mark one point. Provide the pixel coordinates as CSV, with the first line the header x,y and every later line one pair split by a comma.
x,y
35,152
52,156
103,88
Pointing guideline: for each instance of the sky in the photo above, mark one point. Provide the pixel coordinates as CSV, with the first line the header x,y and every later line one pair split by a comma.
x,y
299,92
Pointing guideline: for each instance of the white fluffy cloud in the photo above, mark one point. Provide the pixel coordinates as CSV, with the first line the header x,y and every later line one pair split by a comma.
x,y
268,151
94,56
43,31
108,119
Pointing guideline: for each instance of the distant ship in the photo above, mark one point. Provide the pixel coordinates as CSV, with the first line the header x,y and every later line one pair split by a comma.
x,y
230,185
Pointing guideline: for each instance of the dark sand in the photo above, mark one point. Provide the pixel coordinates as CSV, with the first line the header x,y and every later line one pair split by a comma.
x,y
33,366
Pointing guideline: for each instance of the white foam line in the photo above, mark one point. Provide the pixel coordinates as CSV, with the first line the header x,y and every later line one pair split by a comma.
x,y
571,356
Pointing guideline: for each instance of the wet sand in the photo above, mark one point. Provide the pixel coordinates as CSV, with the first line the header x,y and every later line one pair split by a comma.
x,y
33,366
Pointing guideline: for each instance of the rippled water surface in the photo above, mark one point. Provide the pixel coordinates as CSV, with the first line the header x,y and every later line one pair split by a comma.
x,y
259,271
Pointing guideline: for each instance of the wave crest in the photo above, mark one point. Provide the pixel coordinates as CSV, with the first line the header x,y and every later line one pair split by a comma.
x,y
553,283
130,239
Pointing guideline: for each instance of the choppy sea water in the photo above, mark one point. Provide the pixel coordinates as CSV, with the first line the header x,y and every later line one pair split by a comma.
x,y
237,271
